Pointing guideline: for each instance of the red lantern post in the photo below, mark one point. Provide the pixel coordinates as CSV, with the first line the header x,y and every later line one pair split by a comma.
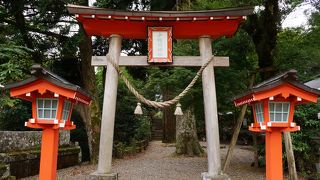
x,y
52,100
273,103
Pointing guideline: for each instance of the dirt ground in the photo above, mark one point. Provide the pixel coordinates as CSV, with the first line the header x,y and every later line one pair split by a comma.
x,y
158,162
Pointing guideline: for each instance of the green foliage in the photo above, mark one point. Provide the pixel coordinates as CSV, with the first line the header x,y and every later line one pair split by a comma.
x,y
205,4
305,143
14,66
119,149
243,61
290,54
14,114
113,4
126,121
306,117
14,62
143,131
129,128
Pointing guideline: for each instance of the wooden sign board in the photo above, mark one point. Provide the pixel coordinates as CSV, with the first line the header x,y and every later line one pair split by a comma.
x,y
159,44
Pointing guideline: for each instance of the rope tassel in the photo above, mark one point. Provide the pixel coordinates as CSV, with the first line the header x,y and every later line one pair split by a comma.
x,y
178,111
138,110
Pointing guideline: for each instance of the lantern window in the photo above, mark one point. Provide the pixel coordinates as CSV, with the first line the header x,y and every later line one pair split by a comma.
x,y
259,112
47,108
66,110
279,111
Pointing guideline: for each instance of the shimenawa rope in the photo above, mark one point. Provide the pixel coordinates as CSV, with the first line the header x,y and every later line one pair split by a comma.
x,y
156,104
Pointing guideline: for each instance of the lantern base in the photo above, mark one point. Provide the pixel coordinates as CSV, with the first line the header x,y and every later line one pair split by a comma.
x,y
206,176
98,176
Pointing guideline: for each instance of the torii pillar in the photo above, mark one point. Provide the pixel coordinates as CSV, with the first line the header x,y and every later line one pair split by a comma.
x,y
108,113
211,113
185,25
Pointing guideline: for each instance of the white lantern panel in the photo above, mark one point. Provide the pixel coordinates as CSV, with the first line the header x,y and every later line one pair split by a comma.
x,y
285,117
53,112
47,103
286,107
259,112
47,108
279,111
40,103
66,110
278,117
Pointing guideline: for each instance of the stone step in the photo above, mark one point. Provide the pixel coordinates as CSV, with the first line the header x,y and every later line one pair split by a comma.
x,y
156,125
156,137
157,131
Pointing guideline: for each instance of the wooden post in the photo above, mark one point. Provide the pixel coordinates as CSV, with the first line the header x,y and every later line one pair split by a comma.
x,y
255,150
49,154
109,109
237,130
290,156
210,107
234,137
274,155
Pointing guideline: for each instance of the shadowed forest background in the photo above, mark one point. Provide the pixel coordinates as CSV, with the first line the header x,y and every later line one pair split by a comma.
x,y
42,32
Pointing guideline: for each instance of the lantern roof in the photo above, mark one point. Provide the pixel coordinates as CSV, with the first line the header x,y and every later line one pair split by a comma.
x,y
185,24
47,80
285,84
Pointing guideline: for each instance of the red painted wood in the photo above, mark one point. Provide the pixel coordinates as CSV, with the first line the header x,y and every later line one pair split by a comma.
x,y
286,91
152,59
49,154
181,29
274,169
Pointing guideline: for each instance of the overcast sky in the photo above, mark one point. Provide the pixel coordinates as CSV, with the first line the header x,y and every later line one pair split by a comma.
x,y
299,17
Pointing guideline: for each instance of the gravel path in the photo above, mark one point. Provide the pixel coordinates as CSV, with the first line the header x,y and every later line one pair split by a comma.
x,y
159,163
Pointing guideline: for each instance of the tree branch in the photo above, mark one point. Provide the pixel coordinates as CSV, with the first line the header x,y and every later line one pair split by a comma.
x,y
37,30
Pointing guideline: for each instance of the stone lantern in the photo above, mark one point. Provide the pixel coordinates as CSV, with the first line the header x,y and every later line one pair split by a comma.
x,y
52,100
273,102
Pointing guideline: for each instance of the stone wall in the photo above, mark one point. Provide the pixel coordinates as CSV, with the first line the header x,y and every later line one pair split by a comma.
x,y
20,153
22,140
27,163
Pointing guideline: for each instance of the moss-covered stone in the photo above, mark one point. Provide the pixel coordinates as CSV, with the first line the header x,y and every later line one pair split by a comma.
x,y
4,171
95,128
2,166
24,140
26,163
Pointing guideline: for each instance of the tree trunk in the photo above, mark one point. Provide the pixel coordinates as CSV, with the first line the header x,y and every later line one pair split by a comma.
x,y
169,121
264,29
186,137
18,8
290,156
91,115
234,137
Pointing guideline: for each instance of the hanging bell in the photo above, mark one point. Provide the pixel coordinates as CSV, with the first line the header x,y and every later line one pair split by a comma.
x,y
138,110
178,111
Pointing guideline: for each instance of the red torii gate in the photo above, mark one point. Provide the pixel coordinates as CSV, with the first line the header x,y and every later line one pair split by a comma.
x,y
202,25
